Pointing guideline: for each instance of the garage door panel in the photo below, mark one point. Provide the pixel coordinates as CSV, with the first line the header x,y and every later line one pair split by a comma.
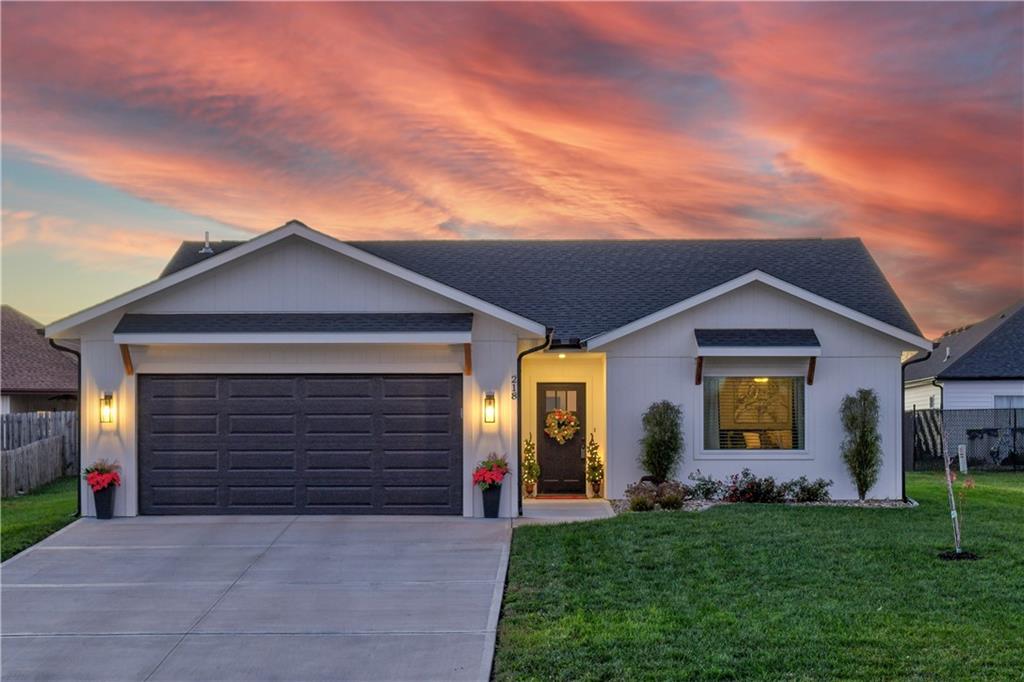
x,y
184,424
339,460
185,460
341,388
262,387
360,424
246,444
261,460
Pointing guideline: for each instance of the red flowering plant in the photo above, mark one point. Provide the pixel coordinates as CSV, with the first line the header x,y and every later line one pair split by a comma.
x,y
101,474
490,472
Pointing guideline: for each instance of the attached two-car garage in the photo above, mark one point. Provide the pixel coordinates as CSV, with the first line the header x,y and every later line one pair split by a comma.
x,y
300,444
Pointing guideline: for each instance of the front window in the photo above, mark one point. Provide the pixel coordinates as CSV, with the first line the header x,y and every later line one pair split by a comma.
x,y
753,413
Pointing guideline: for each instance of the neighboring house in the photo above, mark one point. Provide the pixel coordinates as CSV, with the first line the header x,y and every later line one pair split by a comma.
x,y
297,373
34,376
977,366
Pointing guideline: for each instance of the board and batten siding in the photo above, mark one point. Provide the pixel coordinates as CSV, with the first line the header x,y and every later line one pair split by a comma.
x,y
972,395
291,276
659,363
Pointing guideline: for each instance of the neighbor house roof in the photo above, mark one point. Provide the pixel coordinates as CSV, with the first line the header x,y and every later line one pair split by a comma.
x,y
752,338
28,363
589,287
990,349
228,323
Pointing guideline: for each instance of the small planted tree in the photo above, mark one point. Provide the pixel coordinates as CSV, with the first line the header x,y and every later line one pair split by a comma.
x,y
662,443
531,468
862,447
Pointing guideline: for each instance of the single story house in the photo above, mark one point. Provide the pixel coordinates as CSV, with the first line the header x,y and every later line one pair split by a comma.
x,y
34,376
979,366
298,373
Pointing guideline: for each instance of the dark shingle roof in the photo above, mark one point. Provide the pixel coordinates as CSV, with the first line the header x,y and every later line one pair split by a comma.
x,y
756,337
28,362
587,287
990,349
240,323
188,254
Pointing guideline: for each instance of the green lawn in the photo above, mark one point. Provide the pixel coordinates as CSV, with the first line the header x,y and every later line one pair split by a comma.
x,y
773,592
28,519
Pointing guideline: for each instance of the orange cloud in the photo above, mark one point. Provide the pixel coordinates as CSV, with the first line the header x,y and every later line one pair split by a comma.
x,y
900,124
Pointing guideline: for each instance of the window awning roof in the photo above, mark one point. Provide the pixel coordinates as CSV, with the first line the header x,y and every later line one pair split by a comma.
x,y
757,342
189,328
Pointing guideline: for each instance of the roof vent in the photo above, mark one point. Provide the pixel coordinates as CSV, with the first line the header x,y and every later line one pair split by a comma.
x,y
207,250
946,359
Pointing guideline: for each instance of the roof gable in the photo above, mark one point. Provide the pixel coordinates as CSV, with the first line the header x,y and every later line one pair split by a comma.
x,y
293,228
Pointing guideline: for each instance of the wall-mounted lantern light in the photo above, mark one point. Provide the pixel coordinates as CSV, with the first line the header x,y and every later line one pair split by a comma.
x,y
490,408
106,408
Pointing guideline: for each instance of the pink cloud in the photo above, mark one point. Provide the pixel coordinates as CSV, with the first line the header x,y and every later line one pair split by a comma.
x,y
902,125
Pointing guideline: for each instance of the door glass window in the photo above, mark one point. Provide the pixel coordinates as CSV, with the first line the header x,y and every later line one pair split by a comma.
x,y
559,400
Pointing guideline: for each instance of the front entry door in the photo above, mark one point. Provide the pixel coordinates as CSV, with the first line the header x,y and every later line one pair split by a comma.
x,y
561,465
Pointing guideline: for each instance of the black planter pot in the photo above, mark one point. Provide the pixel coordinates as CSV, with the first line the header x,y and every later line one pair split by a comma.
x,y
104,502
492,498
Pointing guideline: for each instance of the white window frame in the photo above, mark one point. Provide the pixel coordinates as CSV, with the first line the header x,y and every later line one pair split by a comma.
x,y
702,453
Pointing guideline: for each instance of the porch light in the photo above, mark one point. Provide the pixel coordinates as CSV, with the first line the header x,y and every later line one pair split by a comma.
x,y
760,380
490,408
106,408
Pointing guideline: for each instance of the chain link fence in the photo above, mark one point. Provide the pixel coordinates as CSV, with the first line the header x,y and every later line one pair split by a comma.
x,y
992,438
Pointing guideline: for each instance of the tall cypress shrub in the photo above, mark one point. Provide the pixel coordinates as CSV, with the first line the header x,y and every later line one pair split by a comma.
x,y
662,443
862,446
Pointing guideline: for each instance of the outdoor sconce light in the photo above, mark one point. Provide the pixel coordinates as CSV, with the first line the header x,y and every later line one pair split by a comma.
x,y
490,408
106,408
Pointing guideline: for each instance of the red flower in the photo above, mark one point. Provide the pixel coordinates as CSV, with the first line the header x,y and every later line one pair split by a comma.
x,y
99,480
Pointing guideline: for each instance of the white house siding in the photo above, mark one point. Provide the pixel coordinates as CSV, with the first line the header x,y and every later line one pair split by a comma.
x,y
922,395
966,395
659,363
295,276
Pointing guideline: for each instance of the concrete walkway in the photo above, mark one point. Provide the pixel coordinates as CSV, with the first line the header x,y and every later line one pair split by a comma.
x,y
257,598
540,510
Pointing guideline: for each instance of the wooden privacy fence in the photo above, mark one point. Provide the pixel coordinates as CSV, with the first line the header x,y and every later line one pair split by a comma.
x,y
22,428
30,466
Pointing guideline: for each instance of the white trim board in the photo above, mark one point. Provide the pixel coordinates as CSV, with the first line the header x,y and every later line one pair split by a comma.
x,y
764,278
297,229
227,338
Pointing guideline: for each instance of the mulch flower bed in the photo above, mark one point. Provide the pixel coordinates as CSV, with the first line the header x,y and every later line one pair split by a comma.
x,y
622,506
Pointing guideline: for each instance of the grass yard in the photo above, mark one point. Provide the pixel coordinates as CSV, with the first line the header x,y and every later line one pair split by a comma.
x,y
28,519
773,592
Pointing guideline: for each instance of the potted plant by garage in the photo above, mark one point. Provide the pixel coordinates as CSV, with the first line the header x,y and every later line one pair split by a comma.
x,y
489,475
531,467
103,477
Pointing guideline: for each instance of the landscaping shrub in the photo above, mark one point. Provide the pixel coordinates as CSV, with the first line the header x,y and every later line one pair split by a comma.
x,y
746,487
672,494
662,443
862,449
802,490
705,487
642,496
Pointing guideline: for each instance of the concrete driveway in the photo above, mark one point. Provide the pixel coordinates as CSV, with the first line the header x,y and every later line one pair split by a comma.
x,y
257,598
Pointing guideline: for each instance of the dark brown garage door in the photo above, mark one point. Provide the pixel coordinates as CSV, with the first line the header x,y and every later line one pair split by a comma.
x,y
309,444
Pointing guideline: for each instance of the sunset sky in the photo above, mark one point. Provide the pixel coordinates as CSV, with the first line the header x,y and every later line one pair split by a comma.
x,y
129,127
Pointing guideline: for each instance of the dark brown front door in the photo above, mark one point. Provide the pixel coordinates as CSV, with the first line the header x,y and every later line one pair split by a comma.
x,y
561,465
